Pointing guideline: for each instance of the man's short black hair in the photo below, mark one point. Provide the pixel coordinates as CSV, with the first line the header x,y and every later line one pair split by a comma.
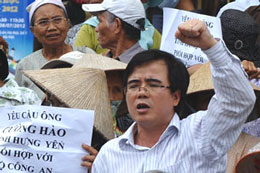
x,y
4,69
131,32
178,75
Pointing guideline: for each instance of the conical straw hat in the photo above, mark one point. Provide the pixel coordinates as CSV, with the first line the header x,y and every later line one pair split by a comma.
x,y
65,61
99,62
249,162
201,80
81,60
79,88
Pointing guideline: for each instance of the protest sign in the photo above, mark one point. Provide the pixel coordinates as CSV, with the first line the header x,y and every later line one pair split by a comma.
x,y
42,139
189,55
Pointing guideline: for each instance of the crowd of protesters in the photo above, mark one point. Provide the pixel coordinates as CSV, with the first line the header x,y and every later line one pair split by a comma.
x,y
161,116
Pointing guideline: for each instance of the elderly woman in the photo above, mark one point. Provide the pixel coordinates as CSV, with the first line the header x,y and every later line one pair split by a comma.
x,y
49,24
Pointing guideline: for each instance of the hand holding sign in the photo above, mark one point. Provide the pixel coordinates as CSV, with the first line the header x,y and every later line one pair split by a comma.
x,y
44,139
195,33
88,159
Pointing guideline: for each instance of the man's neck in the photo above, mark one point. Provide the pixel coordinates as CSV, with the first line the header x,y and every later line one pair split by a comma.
x,y
148,137
123,44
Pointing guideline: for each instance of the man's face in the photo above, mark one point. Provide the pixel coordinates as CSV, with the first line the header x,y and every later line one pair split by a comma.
x,y
54,33
154,107
105,30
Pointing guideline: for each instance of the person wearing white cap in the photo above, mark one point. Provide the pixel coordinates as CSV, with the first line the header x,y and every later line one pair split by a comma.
x,y
119,28
150,37
49,24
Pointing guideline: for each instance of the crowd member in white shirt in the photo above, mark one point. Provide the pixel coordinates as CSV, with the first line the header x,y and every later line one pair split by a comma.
x,y
155,85
199,93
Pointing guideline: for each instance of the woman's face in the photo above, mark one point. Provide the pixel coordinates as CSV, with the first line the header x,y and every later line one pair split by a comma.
x,y
50,25
115,85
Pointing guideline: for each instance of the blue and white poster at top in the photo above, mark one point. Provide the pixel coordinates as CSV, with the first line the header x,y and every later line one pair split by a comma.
x,y
14,27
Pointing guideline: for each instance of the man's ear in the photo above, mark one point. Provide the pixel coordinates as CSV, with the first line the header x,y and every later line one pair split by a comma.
x,y
117,25
176,97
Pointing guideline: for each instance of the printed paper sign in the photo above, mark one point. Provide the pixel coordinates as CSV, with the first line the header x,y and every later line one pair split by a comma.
x,y
189,55
42,139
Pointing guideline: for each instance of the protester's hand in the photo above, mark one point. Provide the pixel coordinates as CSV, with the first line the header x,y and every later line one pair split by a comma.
x,y
88,159
195,33
250,68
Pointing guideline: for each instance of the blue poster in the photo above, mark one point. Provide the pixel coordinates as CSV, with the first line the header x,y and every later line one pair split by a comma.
x,y
15,29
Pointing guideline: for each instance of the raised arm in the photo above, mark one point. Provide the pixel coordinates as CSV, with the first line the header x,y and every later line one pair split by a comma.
x,y
234,97
194,32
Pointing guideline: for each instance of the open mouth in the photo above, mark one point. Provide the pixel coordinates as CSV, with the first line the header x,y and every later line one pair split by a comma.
x,y
142,106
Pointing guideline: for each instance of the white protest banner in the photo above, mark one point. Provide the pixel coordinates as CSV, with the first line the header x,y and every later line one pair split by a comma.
x,y
42,139
189,55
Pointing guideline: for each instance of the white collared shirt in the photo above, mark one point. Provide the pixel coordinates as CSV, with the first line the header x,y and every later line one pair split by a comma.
x,y
198,143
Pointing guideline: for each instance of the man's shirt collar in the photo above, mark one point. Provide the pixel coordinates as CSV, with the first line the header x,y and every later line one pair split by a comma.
x,y
128,137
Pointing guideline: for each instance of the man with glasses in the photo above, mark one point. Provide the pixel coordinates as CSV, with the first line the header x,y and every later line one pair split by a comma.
x,y
155,85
